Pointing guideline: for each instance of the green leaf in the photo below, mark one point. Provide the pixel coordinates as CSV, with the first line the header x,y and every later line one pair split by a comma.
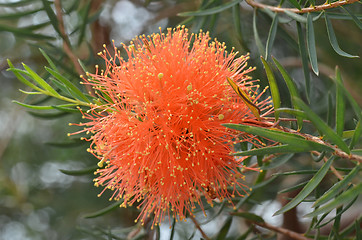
x,y
345,197
16,15
84,22
333,39
297,113
271,36
356,135
295,4
249,216
312,184
336,188
21,78
340,105
278,161
303,54
273,87
256,35
210,11
323,127
73,89
81,172
294,140
355,19
51,63
295,187
42,107
48,115
24,32
104,210
292,89
41,81
51,15
225,229
311,45
296,16
275,149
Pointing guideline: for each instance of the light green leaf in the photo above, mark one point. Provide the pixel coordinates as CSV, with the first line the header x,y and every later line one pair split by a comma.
x,y
273,87
210,11
323,127
296,16
312,184
333,39
311,45
51,63
336,188
225,229
41,81
345,197
21,78
256,35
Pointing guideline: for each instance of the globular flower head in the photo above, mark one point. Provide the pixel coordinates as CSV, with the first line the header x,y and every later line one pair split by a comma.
x,y
159,128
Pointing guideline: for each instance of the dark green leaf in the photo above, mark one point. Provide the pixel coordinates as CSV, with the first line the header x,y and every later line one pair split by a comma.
x,y
304,55
210,11
273,86
271,36
42,107
336,188
24,32
81,172
48,115
345,197
51,15
356,135
225,229
51,63
278,161
322,126
173,228
16,15
298,186
296,16
292,89
295,4
311,45
104,210
84,22
275,149
340,105
355,19
333,39
249,216
294,140
312,184
256,35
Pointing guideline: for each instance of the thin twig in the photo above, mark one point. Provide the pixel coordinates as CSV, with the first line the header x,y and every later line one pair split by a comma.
x,y
335,172
286,232
303,10
197,225
66,43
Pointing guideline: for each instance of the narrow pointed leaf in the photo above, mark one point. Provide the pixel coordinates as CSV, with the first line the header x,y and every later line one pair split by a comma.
x,y
25,32
51,15
292,89
225,229
81,172
336,188
294,140
277,149
104,210
355,19
20,77
51,63
303,54
278,161
323,127
297,113
293,188
345,197
271,36
42,107
296,16
249,216
312,184
41,81
311,45
256,35
74,90
49,116
295,4
210,11
253,108
333,39
273,86
340,105
356,135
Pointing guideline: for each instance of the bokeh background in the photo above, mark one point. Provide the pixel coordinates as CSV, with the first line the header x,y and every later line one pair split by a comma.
x,y
37,200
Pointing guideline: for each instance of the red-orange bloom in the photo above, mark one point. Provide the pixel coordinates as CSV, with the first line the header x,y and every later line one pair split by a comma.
x,y
159,132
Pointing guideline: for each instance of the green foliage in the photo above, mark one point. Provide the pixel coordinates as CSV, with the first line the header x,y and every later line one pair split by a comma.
x,y
308,151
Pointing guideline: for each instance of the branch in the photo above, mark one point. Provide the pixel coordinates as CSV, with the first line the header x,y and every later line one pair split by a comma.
x,y
197,225
286,232
66,43
303,10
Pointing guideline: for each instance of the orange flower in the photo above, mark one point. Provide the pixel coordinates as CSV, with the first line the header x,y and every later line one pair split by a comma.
x,y
159,129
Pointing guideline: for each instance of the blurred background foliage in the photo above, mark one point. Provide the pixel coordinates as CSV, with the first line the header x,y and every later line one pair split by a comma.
x,y
38,201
